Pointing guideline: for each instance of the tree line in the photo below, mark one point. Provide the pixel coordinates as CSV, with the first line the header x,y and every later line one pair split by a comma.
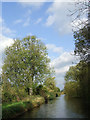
x,y
77,77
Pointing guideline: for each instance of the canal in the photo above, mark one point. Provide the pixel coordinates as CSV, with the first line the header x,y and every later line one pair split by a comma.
x,y
61,107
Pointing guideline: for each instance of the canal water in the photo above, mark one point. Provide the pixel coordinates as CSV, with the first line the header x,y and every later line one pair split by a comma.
x,y
61,107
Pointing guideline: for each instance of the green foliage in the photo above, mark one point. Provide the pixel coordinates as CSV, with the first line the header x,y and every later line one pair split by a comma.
x,y
26,60
7,97
26,64
77,77
12,110
46,92
77,80
82,42
72,89
82,48
57,89
41,90
15,109
52,95
50,82
84,79
72,73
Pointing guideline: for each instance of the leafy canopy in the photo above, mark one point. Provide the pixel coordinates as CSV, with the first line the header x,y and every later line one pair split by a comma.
x,y
26,63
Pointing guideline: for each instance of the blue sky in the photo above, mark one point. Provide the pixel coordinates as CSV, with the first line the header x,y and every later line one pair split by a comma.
x,y
15,17
49,21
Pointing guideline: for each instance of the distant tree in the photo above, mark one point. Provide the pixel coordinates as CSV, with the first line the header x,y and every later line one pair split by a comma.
x,y
71,74
73,89
77,76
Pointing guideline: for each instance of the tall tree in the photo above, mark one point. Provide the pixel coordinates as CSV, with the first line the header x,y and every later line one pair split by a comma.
x,y
81,14
26,63
82,45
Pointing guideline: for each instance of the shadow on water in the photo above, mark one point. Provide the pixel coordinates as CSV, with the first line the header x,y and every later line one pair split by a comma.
x,y
78,106
61,107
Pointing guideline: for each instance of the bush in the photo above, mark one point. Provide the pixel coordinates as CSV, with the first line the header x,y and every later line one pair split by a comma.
x,y
52,96
7,97
46,92
57,89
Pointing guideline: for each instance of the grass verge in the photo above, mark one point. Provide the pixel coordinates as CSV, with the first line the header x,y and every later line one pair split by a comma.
x,y
15,109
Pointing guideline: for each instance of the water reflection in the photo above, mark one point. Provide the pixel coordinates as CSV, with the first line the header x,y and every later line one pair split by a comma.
x,y
61,107
77,107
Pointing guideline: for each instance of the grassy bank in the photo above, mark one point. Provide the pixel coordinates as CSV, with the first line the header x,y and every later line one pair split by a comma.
x,y
43,94
14,109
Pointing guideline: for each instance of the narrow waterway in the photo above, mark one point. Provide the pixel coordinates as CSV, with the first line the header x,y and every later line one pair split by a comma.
x,y
61,107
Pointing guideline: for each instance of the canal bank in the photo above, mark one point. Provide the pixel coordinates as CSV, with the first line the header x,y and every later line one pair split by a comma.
x,y
15,109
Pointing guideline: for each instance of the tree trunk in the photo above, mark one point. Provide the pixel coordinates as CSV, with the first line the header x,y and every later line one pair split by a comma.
x,y
28,89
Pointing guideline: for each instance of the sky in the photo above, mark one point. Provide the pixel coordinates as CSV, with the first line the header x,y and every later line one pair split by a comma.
x,y
49,21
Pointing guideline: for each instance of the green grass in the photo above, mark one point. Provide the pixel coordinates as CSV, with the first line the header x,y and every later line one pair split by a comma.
x,y
11,110
14,109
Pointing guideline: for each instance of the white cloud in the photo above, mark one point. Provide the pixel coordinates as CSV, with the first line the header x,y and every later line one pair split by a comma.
x,y
64,59
27,22
28,13
4,29
1,20
18,21
54,48
61,65
38,20
4,42
62,70
50,20
59,16
7,31
34,3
